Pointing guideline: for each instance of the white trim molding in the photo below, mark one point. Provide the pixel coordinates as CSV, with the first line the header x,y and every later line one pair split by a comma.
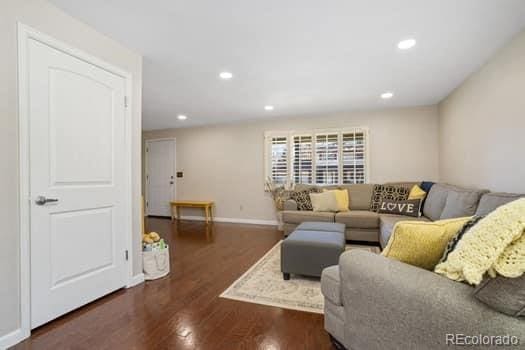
x,y
25,33
232,220
12,338
135,280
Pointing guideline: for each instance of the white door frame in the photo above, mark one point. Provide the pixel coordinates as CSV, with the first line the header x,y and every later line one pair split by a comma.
x,y
25,33
146,164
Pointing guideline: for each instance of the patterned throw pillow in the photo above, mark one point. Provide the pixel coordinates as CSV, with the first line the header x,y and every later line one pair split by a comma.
x,y
455,240
302,198
387,192
409,207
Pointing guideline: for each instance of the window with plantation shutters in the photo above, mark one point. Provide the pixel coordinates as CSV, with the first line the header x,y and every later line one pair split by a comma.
x,y
302,159
279,159
322,157
327,159
353,153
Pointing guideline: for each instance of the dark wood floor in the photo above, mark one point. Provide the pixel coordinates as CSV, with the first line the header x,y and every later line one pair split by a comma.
x,y
183,310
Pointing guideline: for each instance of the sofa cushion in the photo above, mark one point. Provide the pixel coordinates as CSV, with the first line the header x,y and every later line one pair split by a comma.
x,y
358,219
305,187
331,284
506,295
435,201
490,201
300,216
315,188
387,223
359,196
461,203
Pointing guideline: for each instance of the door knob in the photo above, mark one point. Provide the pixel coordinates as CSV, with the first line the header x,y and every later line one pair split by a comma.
x,y
171,182
41,200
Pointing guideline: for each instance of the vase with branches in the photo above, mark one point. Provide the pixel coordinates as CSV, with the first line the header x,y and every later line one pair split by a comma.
x,y
280,192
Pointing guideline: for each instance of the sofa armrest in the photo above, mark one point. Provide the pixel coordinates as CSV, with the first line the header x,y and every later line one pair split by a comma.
x,y
389,304
290,204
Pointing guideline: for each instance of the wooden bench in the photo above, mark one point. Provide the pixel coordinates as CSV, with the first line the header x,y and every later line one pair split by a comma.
x,y
206,205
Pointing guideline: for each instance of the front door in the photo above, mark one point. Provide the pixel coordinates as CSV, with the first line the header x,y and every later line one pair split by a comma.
x,y
77,181
160,176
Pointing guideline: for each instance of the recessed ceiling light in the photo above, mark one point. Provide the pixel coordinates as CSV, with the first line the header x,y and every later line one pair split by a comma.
x,y
268,108
406,44
226,75
182,117
387,95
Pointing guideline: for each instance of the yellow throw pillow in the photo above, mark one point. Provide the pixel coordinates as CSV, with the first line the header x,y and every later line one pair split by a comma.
x,y
416,193
341,196
324,201
422,243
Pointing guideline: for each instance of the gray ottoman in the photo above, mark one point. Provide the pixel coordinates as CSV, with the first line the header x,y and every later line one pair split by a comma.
x,y
321,226
308,252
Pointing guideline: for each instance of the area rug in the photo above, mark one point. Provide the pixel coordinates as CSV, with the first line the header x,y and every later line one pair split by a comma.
x,y
263,284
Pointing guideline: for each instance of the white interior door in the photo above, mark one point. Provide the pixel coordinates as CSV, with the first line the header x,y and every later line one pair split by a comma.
x,y
160,176
78,163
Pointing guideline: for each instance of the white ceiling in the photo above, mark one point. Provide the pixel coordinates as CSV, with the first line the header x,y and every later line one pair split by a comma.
x,y
302,56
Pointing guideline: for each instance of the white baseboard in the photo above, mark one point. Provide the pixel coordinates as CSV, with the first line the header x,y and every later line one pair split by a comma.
x,y
232,220
135,280
12,338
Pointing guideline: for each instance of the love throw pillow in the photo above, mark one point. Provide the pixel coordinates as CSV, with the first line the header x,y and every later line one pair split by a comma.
x,y
409,207
382,193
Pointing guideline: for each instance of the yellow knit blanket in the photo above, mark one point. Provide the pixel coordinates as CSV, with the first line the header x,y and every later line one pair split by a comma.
x,y
496,244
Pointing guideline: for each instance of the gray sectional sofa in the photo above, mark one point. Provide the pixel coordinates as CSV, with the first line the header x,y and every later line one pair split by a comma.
x,y
376,303
443,201
373,302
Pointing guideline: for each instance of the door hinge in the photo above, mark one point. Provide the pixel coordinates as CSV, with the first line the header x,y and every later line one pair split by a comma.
x,y
127,255
125,101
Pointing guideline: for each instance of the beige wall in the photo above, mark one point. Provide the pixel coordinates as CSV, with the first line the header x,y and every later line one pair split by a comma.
x,y
482,125
46,18
225,162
